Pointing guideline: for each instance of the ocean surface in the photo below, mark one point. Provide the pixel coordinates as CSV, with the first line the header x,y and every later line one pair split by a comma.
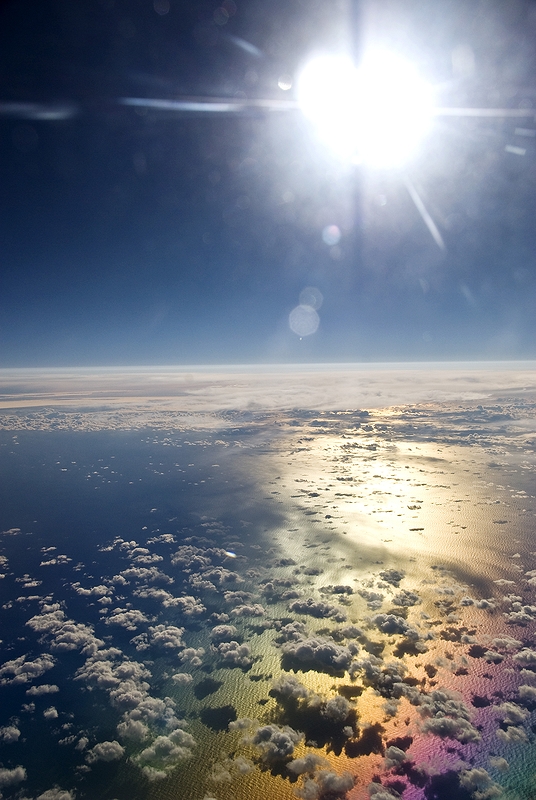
x,y
268,603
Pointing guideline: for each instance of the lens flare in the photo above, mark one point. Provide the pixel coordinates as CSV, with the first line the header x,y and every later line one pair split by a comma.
x,y
312,297
331,235
376,114
303,320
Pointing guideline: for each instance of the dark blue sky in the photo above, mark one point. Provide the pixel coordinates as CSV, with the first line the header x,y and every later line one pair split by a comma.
x,y
164,237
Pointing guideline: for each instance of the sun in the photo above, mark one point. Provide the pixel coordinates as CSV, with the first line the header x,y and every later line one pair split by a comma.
x,y
376,114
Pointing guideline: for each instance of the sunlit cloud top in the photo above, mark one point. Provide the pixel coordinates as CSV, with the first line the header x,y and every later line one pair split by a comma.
x,y
376,114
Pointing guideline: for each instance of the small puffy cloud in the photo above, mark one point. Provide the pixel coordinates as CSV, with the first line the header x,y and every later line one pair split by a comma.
x,y
506,643
446,716
374,599
193,655
94,591
351,632
167,538
237,596
288,687
105,751
50,713
527,609
56,794
164,753
292,632
145,574
153,593
235,654
511,713
74,636
308,764
248,610
20,670
140,642
82,743
513,735
318,653
526,657
493,657
386,678
274,743
325,784
336,709
337,589
182,678
394,756
223,633
219,618
318,609
392,576
243,765
451,728
9,734
332,784
143,556
10,777
128,618
390,707
64,634
486,603
137,705
479,783
188,605
527,693
193,558
103,671
43,688
529,676
201,584
129,695
390,623
379,792
405,598
220,575
243,724
523,616
133,729
61,558
167,636
497,762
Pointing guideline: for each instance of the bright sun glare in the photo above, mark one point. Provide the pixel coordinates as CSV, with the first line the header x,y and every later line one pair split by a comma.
x,y
376,114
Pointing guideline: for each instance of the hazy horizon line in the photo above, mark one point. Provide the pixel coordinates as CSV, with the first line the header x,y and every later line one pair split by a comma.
x,y
270,366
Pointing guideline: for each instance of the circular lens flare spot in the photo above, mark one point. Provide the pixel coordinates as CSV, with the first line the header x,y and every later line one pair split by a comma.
x,y
285,82
303,320
312,297
331,235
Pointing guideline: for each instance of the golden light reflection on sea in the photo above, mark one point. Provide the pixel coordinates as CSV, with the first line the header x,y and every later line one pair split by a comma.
x,y
358,501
